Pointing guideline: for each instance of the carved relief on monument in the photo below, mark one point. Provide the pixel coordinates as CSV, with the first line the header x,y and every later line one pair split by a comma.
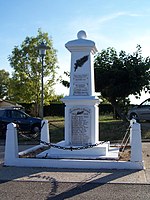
x,y
80,125
80,62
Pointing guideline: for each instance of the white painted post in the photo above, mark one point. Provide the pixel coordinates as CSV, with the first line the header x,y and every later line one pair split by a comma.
x,y
136,145
132,121
45,132
11,145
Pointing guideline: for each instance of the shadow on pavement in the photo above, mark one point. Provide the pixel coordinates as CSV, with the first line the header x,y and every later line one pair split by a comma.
x,y
87,185
45,175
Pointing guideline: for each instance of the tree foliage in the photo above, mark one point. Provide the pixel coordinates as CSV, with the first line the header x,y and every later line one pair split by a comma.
x,y
26,77
65,83
119,75
4,84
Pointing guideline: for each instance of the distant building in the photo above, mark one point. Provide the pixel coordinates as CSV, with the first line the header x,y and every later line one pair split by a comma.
x,y
6,104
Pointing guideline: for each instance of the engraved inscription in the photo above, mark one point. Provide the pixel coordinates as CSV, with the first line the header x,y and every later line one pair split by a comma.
x,y
80,126
80,85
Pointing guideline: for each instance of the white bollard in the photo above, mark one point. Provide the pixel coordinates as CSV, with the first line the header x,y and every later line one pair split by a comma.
x,y
11,145
132,121
45,131
136,144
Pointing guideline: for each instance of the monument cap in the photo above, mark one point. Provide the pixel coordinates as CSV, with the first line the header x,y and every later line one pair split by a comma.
x,y
81,43
81,35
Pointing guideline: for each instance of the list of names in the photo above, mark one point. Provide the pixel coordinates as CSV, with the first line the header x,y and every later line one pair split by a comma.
x,y
80,126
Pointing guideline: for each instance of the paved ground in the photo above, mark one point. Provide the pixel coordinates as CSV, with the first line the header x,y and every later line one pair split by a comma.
x,y
43,183
76,191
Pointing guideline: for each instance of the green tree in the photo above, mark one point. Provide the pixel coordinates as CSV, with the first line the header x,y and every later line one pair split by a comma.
x,y
4,84
65,83
26,77
119,75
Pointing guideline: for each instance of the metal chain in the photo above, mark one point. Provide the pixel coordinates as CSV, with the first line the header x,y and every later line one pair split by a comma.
x,y
31,137
61,147
71,148
126,136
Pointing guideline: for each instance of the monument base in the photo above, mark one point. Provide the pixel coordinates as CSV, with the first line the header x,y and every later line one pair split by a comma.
x,y
94,161
81,120
101,151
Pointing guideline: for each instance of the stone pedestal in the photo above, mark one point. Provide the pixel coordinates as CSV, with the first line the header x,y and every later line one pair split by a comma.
x,y
81,121
81,111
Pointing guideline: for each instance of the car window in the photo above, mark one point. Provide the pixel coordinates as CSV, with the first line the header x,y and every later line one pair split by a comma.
x,y
5,113
146,103
8,113
17,114
2,113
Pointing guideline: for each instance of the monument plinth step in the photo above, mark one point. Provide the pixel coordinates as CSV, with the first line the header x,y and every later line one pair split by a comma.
x,y
101,151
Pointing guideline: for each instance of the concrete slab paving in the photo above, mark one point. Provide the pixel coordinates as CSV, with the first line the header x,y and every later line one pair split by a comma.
x,y
147,175
108,176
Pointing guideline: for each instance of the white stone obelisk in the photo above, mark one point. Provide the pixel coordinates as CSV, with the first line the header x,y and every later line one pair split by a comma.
x,y
81,111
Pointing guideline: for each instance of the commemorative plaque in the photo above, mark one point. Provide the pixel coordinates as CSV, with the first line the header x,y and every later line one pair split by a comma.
x,y
80,85
80,125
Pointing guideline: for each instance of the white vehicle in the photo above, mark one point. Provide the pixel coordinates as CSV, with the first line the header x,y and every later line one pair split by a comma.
x,y
140,112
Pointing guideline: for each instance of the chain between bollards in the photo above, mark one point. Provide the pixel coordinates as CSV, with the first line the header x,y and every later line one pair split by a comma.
x,y
71,148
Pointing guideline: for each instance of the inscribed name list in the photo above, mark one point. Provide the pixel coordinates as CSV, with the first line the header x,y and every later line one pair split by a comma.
x,y
80,126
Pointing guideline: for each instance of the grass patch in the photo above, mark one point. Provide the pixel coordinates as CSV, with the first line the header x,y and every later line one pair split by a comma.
x,y
108,118
54,118
109,129
56,130
145,128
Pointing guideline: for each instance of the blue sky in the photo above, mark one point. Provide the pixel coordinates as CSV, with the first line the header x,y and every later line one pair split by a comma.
x,y
121,24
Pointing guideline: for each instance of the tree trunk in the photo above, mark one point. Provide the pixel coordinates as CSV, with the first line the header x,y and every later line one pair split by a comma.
x,y
118,110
